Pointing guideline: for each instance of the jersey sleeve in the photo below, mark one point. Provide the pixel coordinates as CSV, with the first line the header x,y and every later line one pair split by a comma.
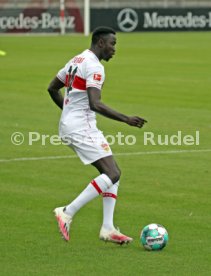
x,y
95,76
61,75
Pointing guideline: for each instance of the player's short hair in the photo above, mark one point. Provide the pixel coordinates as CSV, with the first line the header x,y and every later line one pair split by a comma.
x,y
99,32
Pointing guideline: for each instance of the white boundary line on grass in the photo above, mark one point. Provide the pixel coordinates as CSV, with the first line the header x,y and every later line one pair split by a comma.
x,y
116,154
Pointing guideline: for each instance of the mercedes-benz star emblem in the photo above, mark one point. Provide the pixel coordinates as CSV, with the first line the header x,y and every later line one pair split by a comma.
x,y
127,20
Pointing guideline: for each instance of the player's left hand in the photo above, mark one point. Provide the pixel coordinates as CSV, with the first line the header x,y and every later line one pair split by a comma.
x,y
136,121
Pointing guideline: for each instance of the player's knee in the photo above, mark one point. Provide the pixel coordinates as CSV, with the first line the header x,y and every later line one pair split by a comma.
x,y
115,175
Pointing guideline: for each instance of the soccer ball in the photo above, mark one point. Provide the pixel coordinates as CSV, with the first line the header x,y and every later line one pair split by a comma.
x,y
154,237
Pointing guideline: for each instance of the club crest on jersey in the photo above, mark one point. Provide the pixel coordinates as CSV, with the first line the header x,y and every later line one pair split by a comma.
x,y
105,147
97,77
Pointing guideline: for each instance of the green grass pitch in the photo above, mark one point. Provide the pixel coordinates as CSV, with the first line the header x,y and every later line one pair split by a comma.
x,y
164,77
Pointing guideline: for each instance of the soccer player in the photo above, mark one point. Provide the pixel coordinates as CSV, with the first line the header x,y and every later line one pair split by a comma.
x,y
83,77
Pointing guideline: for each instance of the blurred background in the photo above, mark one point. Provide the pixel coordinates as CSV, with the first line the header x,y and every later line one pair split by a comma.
x,y
54,16
107,3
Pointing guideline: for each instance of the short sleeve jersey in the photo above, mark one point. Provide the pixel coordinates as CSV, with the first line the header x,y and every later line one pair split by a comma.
x,y
81,72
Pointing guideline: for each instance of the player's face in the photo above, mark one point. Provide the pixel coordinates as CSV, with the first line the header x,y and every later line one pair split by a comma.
x,y
109,47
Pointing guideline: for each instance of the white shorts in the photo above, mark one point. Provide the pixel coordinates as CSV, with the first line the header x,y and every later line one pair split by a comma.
x,y
90,145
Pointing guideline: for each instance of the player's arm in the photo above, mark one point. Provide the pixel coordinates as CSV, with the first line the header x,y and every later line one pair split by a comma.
x,y
55,93
96,105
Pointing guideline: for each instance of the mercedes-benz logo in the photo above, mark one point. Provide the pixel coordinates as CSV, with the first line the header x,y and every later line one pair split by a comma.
x,y
127,20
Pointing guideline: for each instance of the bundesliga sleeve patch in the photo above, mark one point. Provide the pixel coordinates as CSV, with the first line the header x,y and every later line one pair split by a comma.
x,y
97,77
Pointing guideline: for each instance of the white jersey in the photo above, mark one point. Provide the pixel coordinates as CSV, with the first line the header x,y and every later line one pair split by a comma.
x,y
81,72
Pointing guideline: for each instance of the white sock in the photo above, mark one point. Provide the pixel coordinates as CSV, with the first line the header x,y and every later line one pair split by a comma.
x,y
109,201
97,186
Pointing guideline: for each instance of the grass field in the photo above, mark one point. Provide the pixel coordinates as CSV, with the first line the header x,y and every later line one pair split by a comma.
x,y
163,77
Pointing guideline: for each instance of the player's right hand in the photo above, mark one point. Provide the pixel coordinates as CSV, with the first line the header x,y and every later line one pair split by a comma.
x,y
136,121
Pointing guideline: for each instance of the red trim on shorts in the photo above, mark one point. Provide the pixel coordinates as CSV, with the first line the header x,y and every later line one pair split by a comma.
x,y
93,182
109,195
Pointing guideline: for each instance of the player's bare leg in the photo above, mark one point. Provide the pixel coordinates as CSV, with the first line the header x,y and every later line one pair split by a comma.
x,y
108,166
